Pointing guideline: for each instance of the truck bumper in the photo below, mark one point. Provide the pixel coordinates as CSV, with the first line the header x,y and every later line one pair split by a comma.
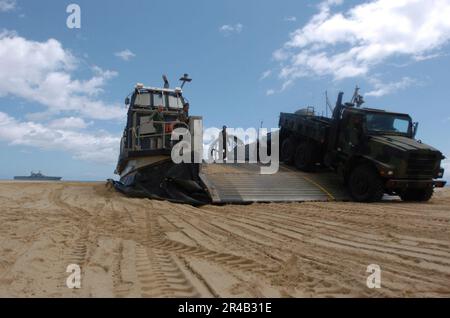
x,y
417,184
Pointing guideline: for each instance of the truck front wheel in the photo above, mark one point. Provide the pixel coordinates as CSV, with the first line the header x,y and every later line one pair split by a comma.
x,y
365,185
417,195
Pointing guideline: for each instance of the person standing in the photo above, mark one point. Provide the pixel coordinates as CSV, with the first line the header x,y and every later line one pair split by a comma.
x,y
184,116
158,117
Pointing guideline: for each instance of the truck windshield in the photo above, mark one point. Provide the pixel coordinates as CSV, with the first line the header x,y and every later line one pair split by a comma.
x,y
388,124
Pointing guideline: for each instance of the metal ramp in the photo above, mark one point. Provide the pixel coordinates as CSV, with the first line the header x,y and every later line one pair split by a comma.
x,y
243,183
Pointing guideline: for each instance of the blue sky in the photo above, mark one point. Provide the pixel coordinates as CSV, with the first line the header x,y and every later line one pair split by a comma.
x,y
62,90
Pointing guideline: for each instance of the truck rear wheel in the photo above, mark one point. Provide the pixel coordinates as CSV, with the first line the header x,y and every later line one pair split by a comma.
x,y
304,156
287,151
417,195
365,185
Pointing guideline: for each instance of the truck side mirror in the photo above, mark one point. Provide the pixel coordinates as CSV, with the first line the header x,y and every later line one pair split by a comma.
x,y
415,127
127,101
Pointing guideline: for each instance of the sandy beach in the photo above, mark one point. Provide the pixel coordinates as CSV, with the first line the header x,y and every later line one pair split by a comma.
x,y
142,248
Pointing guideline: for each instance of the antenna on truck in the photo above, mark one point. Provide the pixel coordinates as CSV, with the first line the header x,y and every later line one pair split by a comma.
x,y
357,99
328,104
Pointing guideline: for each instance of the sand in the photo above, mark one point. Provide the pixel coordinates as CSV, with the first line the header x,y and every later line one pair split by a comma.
x,y
142,248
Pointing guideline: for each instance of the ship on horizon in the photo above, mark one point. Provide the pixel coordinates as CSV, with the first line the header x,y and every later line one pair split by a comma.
x,y
37,177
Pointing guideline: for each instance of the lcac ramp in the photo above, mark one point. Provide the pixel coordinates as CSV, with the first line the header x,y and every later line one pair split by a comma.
x,y
243,183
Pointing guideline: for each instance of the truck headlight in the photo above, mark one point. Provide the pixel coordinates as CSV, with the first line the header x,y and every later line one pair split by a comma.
x,y
385,171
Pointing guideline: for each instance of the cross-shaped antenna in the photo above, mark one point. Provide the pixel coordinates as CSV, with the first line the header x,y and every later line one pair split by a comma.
x,y
185,79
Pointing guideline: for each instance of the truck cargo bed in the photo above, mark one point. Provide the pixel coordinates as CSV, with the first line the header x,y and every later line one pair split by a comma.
x,y
313,127
243,183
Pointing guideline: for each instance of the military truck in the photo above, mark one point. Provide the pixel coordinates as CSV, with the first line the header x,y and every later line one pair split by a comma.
x,y
374,151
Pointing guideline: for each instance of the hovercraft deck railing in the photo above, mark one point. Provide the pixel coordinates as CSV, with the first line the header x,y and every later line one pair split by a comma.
x,y
161,140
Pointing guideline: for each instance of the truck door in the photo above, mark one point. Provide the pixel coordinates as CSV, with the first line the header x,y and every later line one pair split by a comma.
x,y
350,132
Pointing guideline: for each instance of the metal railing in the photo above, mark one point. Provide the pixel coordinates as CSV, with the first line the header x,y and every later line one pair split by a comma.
x,y
159,140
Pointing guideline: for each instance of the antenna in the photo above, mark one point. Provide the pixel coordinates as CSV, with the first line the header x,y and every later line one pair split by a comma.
x,y
357,99
166,81
185,79
328,103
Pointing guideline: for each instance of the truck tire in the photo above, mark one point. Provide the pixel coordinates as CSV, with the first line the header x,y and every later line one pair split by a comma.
x,y
365,185
305,157
417,195
287,151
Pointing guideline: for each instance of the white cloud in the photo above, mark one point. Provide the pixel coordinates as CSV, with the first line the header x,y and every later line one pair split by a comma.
x,y
230,29
68,123
125,55
265,75
42,72
353,43
424,57
98,147
7,5
290,19
382,89
270,92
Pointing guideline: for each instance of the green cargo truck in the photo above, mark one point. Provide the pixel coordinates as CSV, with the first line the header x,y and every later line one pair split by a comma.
x,y
375,151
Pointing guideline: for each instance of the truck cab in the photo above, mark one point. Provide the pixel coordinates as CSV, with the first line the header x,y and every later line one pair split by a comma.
x,y
380,147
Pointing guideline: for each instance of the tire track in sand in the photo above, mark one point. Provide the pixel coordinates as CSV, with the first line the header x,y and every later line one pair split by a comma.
x,y
159,240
